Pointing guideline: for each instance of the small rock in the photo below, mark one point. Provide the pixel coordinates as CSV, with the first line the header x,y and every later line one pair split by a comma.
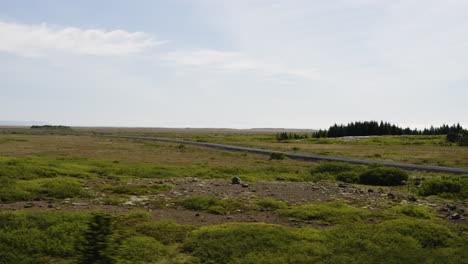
x,y
444,209
229,217
403,182
455,216
245,185
50,206
38,199
391,195
28,205
236,180
343,185
197,214
79,204
412,198
280,179
370,190
452,207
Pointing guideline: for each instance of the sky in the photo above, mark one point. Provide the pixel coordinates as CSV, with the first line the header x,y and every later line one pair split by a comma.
x,y
235,64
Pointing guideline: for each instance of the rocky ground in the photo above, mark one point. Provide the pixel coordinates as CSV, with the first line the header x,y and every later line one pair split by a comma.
x,y
293,193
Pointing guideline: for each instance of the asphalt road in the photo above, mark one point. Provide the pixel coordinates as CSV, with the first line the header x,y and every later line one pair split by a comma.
x,y
299,156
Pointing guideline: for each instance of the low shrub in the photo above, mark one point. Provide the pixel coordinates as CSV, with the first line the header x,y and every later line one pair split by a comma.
x,y
270,204
333,167
140,250
427,233
383,176
437,186
139,189
276,156
348,176
233,243
59,188
166,231
213,204
330,212
412,211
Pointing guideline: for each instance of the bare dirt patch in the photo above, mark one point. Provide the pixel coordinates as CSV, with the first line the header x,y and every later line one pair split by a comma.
x,y
293,193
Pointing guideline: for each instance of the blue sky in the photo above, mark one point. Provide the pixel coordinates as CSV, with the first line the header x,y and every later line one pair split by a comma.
x,y
240,64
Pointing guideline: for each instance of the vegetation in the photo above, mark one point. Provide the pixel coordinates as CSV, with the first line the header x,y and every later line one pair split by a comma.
x,y
287,136
59,127
100,171
453,187
330,212
374,128
276,156
383,176
373,174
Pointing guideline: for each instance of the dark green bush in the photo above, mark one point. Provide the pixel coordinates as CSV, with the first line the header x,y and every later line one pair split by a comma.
x,y
463,140
276,156
383,176
333,167
348,176
452,137
438,186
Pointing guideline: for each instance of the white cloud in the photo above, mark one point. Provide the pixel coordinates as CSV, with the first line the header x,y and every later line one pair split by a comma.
x,y
232,62
43,39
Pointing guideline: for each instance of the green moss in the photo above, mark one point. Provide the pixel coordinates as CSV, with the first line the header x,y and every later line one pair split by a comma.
x,y
166,232
330,212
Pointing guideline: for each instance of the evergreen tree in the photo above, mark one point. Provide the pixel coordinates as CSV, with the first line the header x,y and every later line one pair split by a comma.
x,y
96,241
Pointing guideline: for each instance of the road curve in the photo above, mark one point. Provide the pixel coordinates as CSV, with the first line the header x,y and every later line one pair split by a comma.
x,y
299,156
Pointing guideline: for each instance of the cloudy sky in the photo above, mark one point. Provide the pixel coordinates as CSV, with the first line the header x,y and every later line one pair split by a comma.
x,y
240,64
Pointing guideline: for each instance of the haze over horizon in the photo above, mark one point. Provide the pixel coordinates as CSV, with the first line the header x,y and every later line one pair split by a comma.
x,y
234,64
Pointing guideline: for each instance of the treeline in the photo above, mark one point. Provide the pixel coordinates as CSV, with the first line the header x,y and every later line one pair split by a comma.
x,y
374,128
285,136
50,127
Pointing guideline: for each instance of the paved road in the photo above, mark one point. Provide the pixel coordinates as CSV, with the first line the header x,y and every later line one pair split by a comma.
x,y
308,157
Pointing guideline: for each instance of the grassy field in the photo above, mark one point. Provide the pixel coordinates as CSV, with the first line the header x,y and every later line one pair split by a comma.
x,y
427,150
131,201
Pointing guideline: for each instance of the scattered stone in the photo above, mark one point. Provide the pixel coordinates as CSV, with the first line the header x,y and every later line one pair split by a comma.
x,y
50,206
38,199
236,180
455,216
197,214
370,190
403,182
79,204
412,198
229,217
444,209
280,179
245,185
343,185
29,205
381,190
391,196
452,207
